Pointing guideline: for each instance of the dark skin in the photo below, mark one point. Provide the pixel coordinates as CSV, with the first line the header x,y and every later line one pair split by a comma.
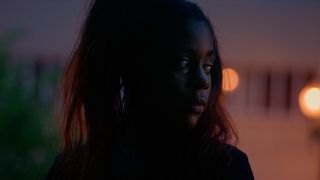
x,y
183,91
192,79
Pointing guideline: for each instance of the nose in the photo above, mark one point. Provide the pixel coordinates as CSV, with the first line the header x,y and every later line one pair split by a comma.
x,y
200,79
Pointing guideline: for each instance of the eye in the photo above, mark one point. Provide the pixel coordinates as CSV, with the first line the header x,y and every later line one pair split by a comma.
x,y
184,64
207,68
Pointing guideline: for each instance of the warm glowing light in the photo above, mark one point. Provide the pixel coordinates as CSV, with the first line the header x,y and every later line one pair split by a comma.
x,y
230,80
309,101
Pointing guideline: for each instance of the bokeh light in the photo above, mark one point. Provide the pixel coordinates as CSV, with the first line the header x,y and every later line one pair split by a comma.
x,y
230,80
309,101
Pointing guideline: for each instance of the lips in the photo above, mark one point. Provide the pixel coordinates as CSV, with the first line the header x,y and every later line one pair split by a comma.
x,y
198,106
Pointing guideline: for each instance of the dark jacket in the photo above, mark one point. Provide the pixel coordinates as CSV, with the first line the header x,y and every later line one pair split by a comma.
x,y
228,163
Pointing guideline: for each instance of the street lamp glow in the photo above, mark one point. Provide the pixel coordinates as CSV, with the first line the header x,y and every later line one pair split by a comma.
x,y
230,80
309,101
312,97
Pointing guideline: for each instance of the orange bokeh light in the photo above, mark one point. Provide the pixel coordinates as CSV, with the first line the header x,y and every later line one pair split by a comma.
x,y
230,80
309,101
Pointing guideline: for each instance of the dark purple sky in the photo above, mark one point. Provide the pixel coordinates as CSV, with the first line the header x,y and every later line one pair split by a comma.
x,y
50,27
267,32
261,32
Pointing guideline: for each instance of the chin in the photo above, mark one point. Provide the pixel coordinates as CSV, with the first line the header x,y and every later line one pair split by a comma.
x,y
192,120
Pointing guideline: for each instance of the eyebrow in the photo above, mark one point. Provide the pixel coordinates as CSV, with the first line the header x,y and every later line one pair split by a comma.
x,y
211,52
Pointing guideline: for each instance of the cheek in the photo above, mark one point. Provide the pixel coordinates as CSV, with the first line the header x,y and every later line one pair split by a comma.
x,y
170,87
180,84
173,90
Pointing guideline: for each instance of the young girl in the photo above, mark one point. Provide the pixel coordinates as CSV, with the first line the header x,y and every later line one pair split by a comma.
x,y
142,97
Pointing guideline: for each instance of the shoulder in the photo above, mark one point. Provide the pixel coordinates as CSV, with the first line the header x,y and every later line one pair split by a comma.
x,y
229,162
238,166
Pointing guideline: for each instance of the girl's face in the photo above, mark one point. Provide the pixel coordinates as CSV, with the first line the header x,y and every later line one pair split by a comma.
x,y
187,83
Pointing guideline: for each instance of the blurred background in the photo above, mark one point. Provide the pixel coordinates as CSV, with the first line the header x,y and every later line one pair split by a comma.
x,y
270,47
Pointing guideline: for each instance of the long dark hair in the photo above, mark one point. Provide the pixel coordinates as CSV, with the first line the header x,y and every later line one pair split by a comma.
x,y
100,81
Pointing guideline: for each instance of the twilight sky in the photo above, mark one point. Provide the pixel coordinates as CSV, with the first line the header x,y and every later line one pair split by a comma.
x,y
259,32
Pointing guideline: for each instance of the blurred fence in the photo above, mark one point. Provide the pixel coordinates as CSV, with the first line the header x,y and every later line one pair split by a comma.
x,y
270,91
